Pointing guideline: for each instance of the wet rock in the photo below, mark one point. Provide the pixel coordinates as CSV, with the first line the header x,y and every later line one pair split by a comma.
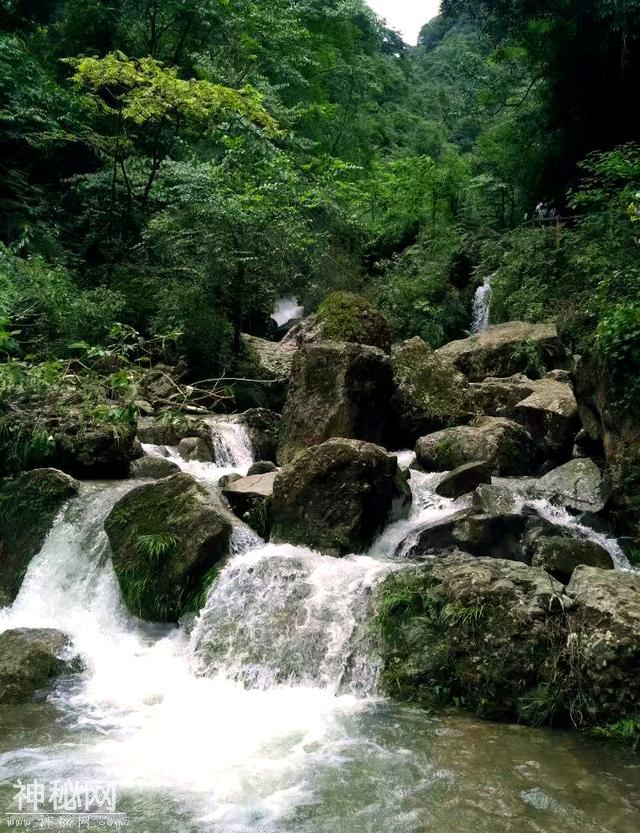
x,y
428,393
496,499
550,414
273,358
263,429
498,397
169,429
561,555
605,630
226,479
493,536
506,447
250,499
577,485
263,467
470,630
29,660
432,538
195,448
166,536
336,390
29,503
464,479
152,468
336,497
506,349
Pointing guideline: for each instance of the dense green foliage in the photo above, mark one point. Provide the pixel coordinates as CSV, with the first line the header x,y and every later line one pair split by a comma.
x,y
175,167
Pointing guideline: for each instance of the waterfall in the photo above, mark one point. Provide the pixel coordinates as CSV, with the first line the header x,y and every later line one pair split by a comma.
x,y
481,306
285,310
283,615
231,445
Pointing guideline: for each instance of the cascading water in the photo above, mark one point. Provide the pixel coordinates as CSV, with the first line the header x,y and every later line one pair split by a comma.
x,y
263,720
285,310
481,306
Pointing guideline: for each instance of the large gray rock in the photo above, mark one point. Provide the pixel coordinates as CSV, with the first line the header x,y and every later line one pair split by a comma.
x,y
578,485
497,498
550,414
464,479
336,497
506,349
29,660
166,537
152,468
470,630
195,448
561,555
336,390
250,498
497,396
493,536
29,503
429,394
605,634
273,358
506,447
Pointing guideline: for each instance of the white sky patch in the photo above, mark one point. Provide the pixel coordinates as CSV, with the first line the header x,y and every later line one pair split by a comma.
x,y
407,16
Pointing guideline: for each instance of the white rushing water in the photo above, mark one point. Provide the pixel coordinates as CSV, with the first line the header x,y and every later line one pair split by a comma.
x,y
235,725
481,307
285,310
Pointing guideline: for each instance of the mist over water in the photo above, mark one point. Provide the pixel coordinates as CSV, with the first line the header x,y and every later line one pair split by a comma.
x,y
286,309
264,714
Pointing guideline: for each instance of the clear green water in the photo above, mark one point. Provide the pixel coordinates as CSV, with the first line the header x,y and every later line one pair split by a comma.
x,y
382,768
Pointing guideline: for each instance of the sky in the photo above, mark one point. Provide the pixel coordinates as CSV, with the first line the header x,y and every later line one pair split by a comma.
x,y
407,16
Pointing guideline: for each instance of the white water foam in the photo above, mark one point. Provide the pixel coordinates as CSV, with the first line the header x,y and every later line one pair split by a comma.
x,y
481,307
285,310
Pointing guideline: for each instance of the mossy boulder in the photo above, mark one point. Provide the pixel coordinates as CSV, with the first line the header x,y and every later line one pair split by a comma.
x,y
166,538
169,429
507,349
337,497
507,641
29,660
578,484
336,390
507,447
560,555
345,316
471,631
29,503
428,394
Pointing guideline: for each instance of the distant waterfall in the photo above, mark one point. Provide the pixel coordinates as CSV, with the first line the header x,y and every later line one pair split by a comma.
x,y
481,306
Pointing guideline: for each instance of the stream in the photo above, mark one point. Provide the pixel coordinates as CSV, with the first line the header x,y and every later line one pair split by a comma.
x,y
262,715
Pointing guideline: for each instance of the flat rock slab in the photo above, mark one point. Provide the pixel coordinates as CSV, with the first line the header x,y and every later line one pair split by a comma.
x,y
258,485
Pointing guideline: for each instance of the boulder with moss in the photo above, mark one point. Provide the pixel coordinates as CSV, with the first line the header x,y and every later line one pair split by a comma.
x,y
30,659
338,496
428,394
336,390
29,503
560,555
167,537
471,631
506,349
507,447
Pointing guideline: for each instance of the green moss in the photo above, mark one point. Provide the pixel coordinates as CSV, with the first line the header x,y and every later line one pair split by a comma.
x,y
348,317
